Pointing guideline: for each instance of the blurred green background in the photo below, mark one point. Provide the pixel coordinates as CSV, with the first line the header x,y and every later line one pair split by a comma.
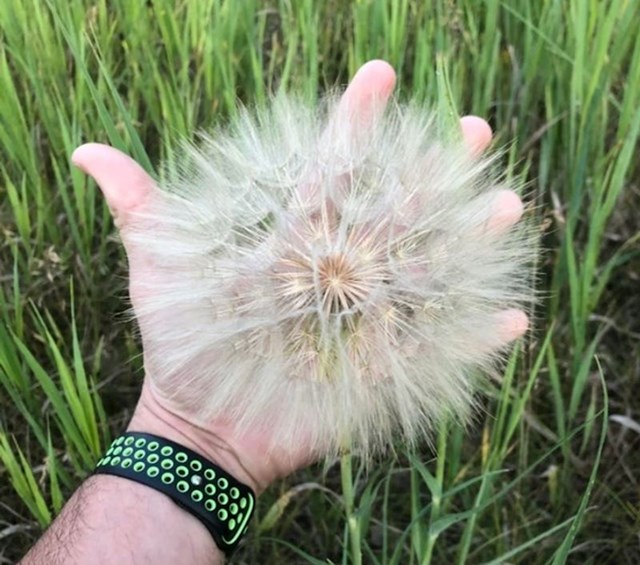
x,y
549,472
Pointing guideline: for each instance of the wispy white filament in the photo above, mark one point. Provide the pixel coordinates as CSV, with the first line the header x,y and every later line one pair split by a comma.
x,y
327,284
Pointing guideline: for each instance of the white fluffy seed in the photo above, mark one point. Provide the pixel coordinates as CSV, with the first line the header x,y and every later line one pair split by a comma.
x,y
326,286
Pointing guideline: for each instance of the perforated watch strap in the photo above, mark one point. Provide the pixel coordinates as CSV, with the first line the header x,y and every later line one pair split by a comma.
x,y
223,504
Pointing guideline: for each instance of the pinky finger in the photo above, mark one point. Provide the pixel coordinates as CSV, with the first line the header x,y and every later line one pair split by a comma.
x,y
512,324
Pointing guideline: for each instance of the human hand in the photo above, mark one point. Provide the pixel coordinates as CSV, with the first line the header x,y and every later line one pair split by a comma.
x,y
250,457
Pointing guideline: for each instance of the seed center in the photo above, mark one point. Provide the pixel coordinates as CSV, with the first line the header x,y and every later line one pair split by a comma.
x,y
340,285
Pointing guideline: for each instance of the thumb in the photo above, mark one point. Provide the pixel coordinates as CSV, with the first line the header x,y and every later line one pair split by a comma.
x,y
125,184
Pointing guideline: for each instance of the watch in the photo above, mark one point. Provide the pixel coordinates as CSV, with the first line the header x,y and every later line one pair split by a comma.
x,y
222,503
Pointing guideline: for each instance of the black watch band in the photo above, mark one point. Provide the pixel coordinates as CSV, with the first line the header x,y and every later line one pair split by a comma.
x,y
223,504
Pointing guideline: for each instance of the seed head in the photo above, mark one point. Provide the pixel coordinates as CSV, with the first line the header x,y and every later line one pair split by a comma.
x,y
337,286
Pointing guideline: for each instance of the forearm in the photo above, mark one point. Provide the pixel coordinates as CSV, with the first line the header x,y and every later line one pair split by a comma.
x,y
114,520
111,519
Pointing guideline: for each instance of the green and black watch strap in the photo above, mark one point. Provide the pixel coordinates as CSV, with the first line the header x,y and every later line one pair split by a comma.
x,y
223,504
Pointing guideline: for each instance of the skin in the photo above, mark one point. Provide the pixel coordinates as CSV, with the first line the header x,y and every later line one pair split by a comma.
x,y
86,531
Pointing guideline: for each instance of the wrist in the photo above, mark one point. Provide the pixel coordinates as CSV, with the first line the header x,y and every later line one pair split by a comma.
x,y
153,417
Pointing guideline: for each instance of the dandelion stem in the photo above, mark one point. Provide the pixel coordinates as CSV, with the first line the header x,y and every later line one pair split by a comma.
x,y
436,500
353,521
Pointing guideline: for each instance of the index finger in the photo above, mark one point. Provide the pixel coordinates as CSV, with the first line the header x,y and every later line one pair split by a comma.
x,y
476,134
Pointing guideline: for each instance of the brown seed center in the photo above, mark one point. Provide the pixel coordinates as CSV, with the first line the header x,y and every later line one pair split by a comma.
x,y
341,287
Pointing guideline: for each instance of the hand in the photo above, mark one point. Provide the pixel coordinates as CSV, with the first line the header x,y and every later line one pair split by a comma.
x,y
128,188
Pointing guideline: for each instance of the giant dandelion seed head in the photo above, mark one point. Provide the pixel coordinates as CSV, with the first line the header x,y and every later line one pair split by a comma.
x,y
332,286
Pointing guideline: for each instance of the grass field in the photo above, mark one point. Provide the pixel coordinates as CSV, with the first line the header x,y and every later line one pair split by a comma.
x,y
550,471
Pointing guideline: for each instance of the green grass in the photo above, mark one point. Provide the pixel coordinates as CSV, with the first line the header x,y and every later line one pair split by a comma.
x,y
543,476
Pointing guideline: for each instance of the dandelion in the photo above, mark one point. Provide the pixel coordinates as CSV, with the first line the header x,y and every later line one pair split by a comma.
x,y
339,288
